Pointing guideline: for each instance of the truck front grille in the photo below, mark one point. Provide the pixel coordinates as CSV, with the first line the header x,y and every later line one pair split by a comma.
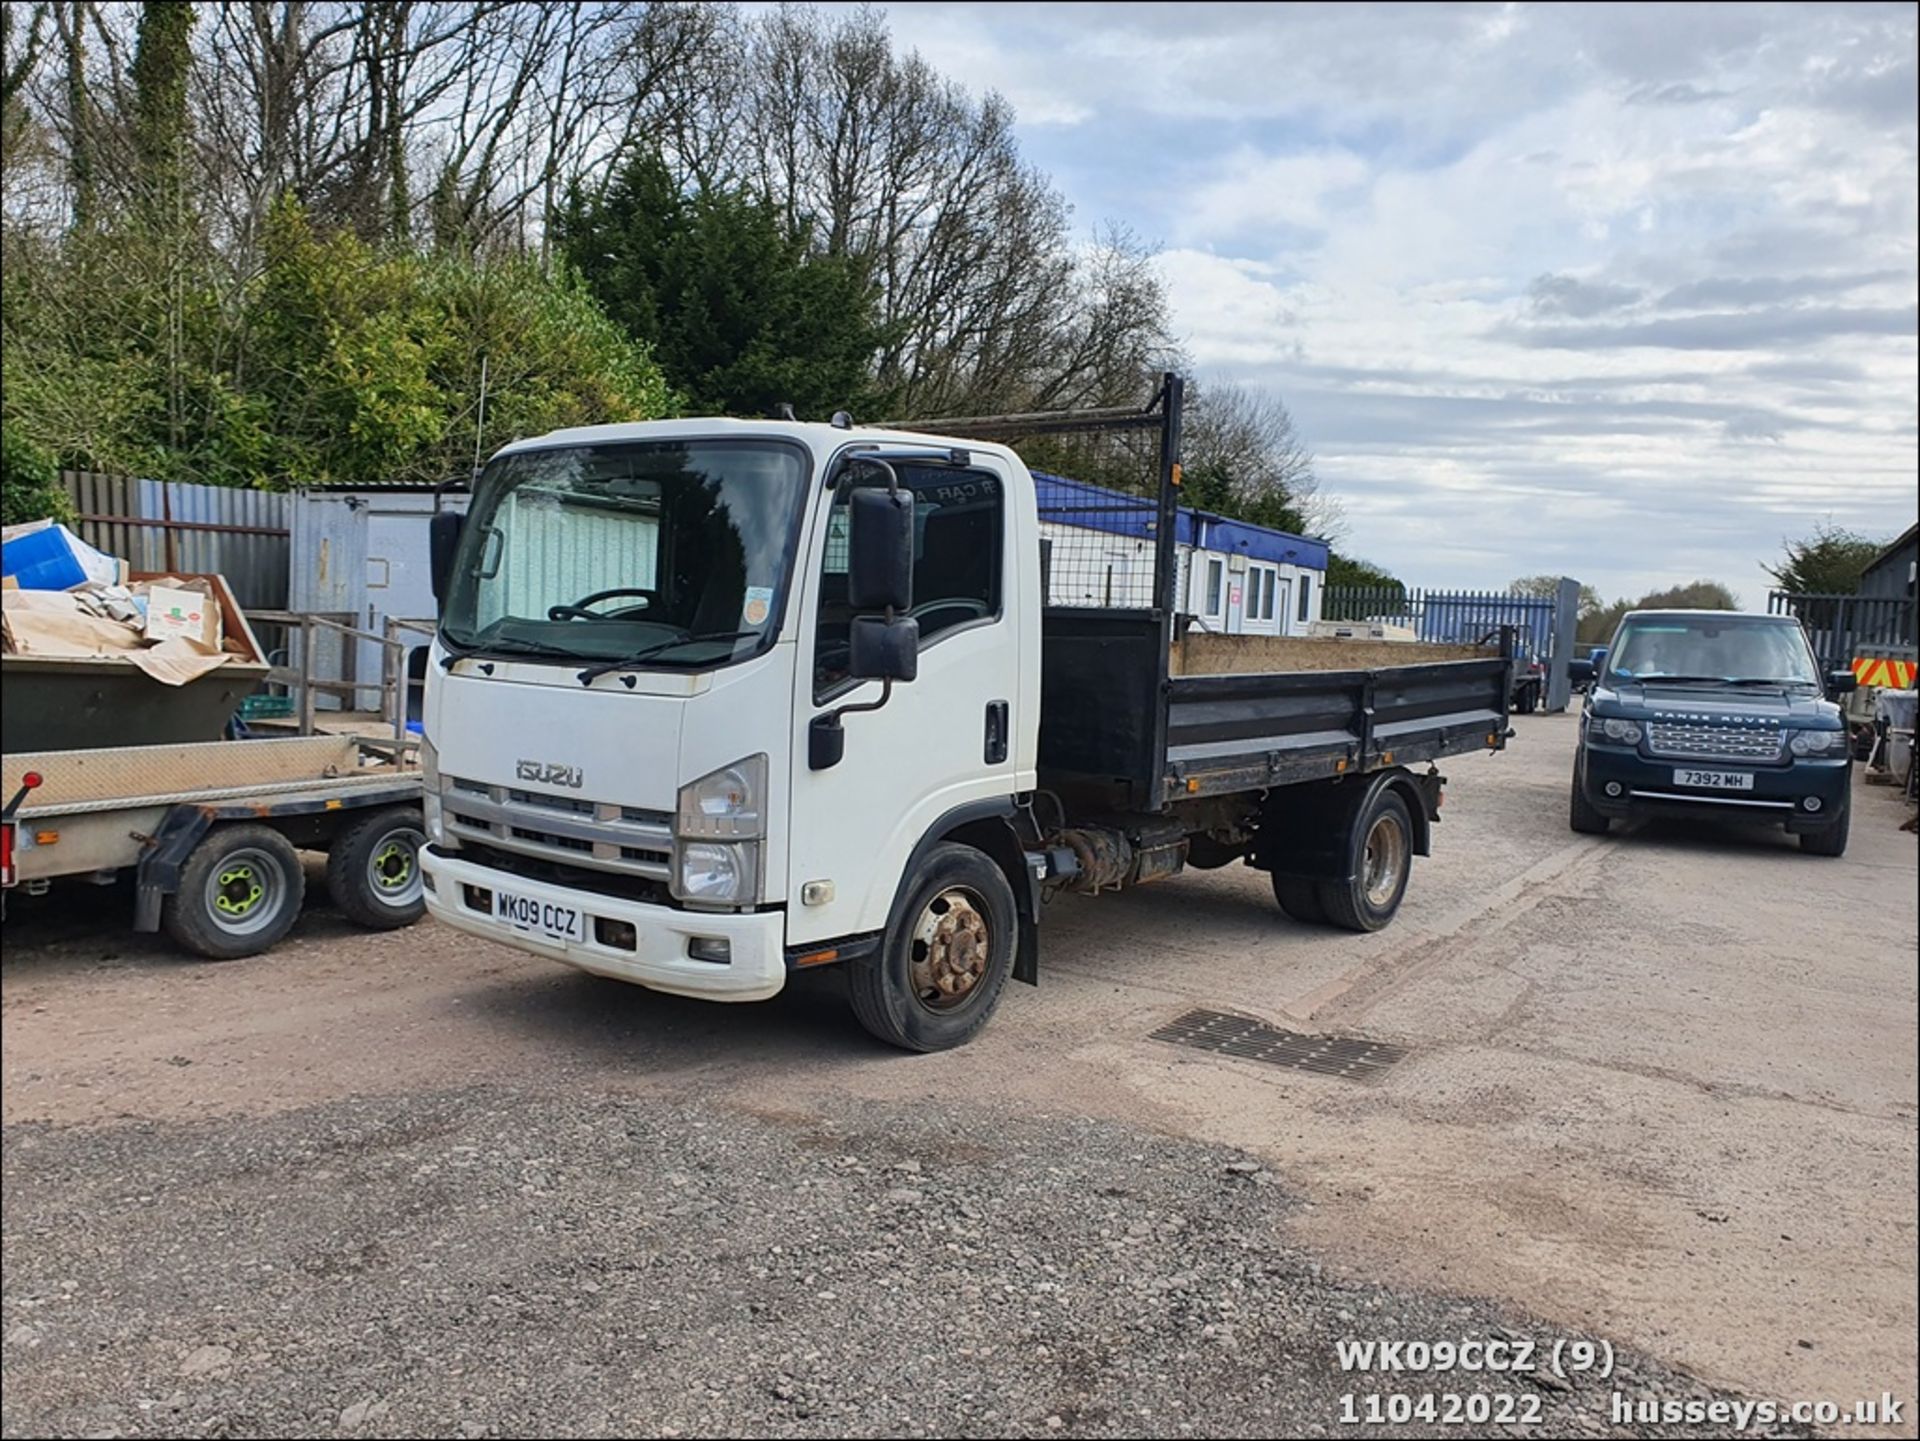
x,y
1721,742
599,834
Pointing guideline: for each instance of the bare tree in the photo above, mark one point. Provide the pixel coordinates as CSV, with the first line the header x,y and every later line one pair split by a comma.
x,y
20,45
1246,440
986,302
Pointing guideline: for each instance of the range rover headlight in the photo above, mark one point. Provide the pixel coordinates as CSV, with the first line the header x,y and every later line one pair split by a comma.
x,y
1814,743
727,804
1613,728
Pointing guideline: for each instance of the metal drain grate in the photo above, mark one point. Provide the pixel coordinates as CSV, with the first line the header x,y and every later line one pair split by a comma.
x,y
1256,1041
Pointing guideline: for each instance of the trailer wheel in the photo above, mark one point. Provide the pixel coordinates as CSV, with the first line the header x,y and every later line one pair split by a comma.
x,y
1381,863
373,869
240,892
1300,899
941,968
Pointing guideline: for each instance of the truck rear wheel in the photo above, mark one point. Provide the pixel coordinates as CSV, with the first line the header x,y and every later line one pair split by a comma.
x,y
1381,865
1581,815
373,869
941,968
240,892
1300,899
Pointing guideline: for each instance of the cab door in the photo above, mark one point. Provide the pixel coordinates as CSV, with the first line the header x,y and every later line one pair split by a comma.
x,y
943,740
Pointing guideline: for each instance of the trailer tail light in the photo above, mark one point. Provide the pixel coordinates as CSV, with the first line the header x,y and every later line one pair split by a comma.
x,y
8,874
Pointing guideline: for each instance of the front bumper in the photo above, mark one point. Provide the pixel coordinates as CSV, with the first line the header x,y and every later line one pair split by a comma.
x,y
1779,795
755,970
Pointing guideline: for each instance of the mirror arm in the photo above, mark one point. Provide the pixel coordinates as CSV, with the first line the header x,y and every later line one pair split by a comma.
x,y
827,740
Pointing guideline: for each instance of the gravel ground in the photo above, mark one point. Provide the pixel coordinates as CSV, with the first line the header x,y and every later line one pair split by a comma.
x,y
493,1261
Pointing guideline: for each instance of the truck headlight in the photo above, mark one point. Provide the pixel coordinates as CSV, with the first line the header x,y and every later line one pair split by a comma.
x,y
719,874
1613,728
718,824
726,804
1813,743
430,809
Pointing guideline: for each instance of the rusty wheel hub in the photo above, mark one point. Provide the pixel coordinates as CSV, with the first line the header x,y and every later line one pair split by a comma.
x,y
952,947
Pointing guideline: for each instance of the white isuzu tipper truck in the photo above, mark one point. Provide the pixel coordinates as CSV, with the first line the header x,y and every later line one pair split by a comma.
x,y
719,700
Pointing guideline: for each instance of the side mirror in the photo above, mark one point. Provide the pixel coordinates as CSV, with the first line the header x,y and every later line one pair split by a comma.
x,y
882,649
880,549
1598,660
443,538
1842,682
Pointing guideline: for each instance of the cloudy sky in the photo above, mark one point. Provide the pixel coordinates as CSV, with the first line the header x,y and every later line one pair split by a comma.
x,y
1623,293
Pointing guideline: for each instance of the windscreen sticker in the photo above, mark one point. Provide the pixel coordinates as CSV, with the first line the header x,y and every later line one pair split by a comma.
x,y
758,606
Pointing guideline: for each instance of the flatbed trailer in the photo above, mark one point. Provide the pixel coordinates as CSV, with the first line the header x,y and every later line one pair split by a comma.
x,y
211,832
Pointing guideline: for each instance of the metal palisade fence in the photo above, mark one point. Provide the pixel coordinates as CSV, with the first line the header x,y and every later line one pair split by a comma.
x,y
162,526
1843,627
1452,616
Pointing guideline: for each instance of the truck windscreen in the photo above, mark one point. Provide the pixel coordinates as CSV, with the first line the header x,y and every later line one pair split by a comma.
x,y
593,552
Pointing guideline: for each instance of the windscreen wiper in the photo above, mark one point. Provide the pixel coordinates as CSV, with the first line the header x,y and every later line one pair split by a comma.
x,y
592,672
507,644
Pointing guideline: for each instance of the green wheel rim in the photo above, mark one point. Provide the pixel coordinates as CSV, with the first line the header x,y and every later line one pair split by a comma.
x,y
393,867
245,893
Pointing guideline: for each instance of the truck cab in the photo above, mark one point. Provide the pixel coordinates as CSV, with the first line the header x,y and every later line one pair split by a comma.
x,y
633,619
1718,714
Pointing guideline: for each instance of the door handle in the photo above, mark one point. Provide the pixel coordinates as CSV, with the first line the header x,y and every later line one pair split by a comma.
x,y
996,732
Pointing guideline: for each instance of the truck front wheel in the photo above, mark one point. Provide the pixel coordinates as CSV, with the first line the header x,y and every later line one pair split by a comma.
x,y
240,892
1381,864
940,970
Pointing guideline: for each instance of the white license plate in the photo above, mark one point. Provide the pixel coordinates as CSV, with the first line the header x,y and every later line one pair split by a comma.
x,y
541,918
1715,780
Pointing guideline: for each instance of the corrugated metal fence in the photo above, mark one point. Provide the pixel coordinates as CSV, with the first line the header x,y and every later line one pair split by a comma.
x,y
176,526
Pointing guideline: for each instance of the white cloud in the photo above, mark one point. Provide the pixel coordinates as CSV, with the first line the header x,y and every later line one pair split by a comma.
x,y
1625,291
1250,193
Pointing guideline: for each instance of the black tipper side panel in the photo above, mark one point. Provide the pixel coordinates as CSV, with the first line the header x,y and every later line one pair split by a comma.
x,y
1245,732
1102,698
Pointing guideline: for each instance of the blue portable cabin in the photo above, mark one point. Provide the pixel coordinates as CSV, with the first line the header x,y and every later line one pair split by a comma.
x,y
1234,577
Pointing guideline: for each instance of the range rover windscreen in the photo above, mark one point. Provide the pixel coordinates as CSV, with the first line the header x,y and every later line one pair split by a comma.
x,y
1712,649
659,553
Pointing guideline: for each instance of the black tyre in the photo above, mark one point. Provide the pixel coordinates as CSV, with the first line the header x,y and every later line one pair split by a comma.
x,y
373,869
1832,840
1581,815
1300,899
1382,862
940,971
240,892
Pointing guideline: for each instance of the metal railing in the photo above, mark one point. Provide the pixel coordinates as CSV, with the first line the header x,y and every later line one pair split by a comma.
x,y
1454,616
395,685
